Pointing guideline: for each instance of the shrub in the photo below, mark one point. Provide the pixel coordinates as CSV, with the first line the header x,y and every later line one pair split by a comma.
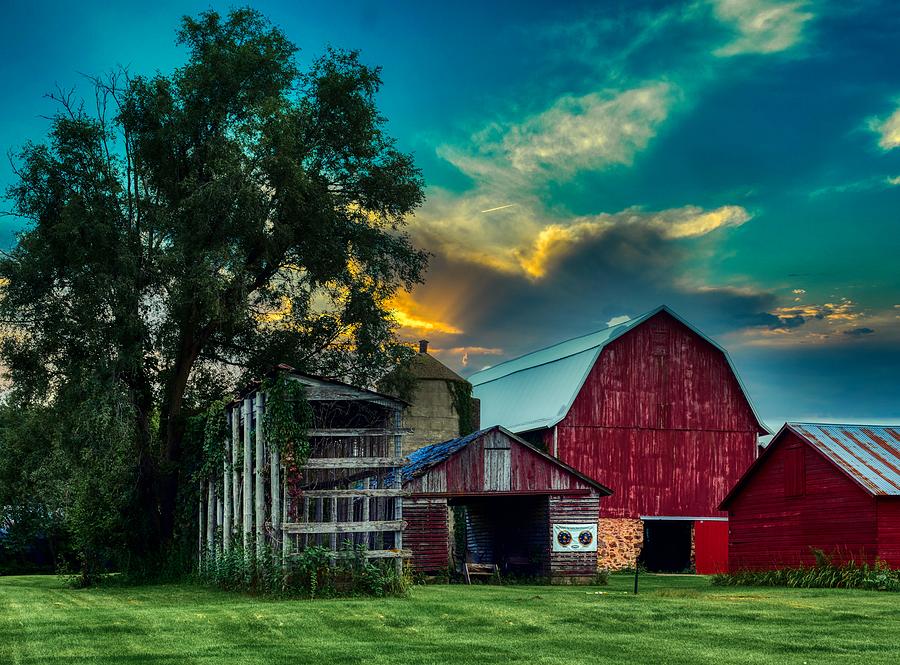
x,y
312,573
824,574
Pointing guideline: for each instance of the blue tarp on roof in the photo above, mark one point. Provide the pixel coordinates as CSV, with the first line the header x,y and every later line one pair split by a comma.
x,y
419,461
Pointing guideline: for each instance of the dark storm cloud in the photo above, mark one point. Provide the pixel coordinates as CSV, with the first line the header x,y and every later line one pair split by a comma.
x,y
627,271
859,332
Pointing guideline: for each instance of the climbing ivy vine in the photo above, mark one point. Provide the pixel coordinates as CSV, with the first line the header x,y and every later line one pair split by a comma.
x,y
288,417
461,397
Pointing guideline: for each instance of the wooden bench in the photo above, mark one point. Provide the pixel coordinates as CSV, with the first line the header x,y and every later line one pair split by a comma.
x,y
480,569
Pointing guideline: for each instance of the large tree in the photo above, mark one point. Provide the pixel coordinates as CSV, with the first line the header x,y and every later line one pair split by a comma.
x,y
187,230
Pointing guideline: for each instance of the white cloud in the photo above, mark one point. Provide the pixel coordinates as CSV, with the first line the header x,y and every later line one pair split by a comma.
x,y
761,26
888,130
616,320
575,133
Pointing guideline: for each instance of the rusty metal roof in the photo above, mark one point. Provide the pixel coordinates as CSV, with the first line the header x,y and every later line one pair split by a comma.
x,y
869,454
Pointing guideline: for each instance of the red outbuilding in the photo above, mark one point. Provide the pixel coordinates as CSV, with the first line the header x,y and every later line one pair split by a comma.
x,y
834,488
655,409
519,509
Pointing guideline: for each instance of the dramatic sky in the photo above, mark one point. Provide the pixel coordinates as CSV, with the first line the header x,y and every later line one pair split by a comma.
x,y
737,160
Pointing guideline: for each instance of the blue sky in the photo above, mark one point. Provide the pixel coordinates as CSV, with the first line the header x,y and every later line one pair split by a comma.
x,y
738,160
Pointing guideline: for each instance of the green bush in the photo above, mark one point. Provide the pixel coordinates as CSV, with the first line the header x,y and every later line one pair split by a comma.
x,y
312,573
824,574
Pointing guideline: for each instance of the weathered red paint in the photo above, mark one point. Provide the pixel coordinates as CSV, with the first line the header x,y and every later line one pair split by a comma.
x,y
662,420
772,526
531,473
426,533
463,475
710,546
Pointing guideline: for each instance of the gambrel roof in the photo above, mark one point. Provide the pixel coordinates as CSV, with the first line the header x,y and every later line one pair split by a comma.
x,y
537,390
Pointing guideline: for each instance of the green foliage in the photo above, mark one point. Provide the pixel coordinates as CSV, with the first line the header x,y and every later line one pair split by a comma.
x,y
314,572
400,382
825,574
237,212
288,417
463,404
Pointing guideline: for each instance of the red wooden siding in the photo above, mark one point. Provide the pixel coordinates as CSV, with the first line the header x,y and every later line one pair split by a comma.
x,y
526,471
888,508
769,529
572,510
427,533
662,421
710,547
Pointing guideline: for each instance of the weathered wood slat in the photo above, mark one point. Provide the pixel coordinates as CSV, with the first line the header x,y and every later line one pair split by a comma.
x,y
343,527
356,431
374,554
352,462
355,493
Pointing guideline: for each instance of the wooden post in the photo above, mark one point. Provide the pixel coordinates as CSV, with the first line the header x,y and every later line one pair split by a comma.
x,y
259,491
228,495
235,468
201,527
367,484
398,483
333,507
219,508
285,539
248,473
211,518
275,489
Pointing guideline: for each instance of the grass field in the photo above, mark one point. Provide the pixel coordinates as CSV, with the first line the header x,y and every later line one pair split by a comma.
x,y
675,619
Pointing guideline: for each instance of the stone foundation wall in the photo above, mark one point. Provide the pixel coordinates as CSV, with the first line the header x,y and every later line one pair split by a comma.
x,y
620,542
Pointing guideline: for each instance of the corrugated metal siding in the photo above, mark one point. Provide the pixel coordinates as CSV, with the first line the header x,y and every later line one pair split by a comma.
x,y
662,421
768,529
427,533
870,454
509,531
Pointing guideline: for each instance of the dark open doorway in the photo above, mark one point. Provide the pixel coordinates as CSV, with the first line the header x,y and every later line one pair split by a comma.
x,y
511,532
667,546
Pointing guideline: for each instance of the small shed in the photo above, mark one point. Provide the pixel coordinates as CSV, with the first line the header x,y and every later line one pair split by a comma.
x,y
834,488
347,490
521,509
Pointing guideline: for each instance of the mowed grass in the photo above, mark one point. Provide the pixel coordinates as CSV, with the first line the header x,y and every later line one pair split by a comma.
x,y
674,619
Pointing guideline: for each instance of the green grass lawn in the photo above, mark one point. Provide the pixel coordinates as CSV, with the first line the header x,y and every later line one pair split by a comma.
x,y
677,619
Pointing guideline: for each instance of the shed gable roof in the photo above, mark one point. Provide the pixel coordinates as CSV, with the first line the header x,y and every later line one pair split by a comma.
x,y
537,390
424,459
868,454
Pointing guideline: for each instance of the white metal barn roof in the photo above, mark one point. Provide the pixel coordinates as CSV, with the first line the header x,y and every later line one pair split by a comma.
x,y
537,390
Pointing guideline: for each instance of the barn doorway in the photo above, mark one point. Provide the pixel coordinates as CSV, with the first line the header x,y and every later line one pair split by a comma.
x,y
667,546
511,532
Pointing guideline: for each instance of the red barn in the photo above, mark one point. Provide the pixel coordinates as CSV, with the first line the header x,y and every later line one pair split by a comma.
x,y
520,509
654,408
835,488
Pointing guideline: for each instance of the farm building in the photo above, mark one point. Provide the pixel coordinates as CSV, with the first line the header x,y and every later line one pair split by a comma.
x,y
522,510
348,488
835,488
440,404
653,407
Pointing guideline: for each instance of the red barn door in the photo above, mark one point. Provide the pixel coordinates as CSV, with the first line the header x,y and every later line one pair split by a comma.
x,y
711,546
